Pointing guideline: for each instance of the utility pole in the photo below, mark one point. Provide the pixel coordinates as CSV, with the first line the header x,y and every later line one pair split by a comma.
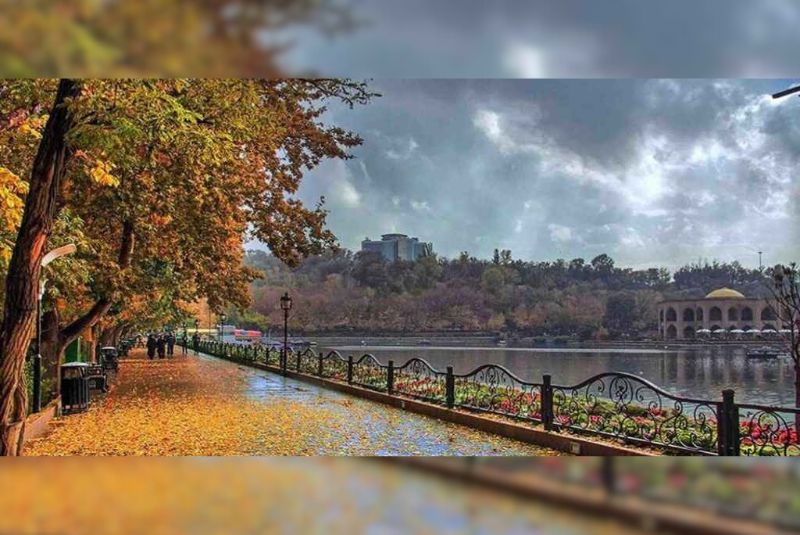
x,y
760,267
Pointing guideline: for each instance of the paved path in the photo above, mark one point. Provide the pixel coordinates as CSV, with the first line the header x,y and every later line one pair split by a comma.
x,y
200,405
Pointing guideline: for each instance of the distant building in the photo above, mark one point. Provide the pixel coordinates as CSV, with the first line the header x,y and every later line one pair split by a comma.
x,y
721,311
395,247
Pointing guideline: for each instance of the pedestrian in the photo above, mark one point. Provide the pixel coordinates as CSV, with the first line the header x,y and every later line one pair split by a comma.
x,y
151,346
170,344
161,345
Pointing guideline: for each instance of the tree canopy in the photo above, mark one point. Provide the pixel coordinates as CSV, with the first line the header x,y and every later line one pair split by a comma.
x,y
160,182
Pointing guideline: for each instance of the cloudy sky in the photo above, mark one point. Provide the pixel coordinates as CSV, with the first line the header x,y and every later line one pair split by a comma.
x,y
652,172
556,39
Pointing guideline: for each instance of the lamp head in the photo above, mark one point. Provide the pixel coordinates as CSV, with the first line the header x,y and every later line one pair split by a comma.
x,y
286,301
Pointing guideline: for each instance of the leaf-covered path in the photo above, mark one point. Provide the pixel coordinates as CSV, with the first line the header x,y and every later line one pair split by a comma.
x,y
199,405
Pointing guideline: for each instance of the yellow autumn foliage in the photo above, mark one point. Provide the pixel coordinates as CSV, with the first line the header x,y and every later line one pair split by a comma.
x,y
33,126
101,174
12,203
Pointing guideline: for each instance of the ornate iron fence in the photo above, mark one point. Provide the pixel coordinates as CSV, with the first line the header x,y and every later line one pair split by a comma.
x,y
495,389
369,373
765,430
418,379
612,405
627,407
334,366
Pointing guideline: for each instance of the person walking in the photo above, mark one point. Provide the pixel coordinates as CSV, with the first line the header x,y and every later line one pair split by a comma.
x,y
161,345
170,344
151,346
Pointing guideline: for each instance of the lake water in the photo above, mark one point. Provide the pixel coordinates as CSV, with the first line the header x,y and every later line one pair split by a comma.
x,y
701,372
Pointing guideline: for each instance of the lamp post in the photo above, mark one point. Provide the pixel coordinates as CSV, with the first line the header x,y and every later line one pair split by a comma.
x,y
221,326
286,306
37,358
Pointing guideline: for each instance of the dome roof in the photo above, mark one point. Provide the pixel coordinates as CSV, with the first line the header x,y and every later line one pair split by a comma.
x,y
725,293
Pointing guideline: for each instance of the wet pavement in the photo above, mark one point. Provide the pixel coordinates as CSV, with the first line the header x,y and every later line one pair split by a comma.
x,y
201,405
371,428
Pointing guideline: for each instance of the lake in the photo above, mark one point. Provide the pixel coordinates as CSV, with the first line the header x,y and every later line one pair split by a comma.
x,y
701,372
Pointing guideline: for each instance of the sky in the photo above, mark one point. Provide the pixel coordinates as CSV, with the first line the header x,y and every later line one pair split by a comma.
x,y
652,172
553,39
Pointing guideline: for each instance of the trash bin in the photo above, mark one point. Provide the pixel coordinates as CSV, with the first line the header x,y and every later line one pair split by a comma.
x,y
74,387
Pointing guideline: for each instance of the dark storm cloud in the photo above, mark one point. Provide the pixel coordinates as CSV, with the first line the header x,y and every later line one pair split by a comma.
x,y
559,39
661,171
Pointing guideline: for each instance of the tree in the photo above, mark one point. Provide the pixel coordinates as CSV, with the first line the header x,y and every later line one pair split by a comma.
x,y
22,280
198,173
786,295
620,313
119,38
371,270
171,176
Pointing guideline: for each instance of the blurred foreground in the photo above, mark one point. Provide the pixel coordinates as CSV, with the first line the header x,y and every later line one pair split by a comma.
x,y
266,495
413,38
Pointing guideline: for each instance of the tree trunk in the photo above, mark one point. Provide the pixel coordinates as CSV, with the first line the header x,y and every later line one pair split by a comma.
x,y
22,281
102,305
52,355
117,334
106,336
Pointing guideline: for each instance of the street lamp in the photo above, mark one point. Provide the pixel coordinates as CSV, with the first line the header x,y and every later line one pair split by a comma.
x,y
222,325
286,306
37,358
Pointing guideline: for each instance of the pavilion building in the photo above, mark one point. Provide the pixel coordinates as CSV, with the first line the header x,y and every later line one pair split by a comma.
x,y
722,310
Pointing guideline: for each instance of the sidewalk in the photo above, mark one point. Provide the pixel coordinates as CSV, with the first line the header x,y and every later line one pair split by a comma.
x,y
199,405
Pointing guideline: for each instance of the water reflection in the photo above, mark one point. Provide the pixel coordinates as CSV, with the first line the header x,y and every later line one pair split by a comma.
x,y
698,372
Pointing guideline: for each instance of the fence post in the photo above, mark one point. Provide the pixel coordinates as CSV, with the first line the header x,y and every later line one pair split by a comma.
x,y
350,370
450,388
319,365
728,425
297,364
547,402
390,378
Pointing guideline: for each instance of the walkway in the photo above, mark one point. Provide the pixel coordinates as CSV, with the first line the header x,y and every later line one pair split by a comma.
x,y
200,405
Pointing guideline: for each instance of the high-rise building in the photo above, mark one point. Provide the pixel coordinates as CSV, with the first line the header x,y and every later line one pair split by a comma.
x,y
395,247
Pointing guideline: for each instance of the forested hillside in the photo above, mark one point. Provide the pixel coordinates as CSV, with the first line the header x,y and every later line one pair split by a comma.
x,y
361,292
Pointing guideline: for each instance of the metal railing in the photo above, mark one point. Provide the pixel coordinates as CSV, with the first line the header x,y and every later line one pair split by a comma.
x,y
612,405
